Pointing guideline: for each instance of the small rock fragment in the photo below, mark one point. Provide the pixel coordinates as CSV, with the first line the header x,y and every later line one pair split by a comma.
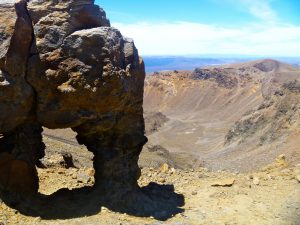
x,y
224,183
249,177
90,172
281,157
104,209
256,181
61,171
162,180
82,177
281,160
164,168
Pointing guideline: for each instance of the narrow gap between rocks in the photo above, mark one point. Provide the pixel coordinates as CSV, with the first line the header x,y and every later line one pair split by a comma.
x,y
66,163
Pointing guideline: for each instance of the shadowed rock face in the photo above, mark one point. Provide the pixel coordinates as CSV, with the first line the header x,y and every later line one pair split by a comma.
x,y
62,65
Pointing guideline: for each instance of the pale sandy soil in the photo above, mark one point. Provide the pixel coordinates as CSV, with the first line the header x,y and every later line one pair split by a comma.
x,y
270,196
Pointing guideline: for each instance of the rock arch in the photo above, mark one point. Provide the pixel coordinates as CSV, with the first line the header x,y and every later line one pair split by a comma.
x,y
63,66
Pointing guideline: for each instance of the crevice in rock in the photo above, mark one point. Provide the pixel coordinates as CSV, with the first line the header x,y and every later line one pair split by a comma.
x,y
21,147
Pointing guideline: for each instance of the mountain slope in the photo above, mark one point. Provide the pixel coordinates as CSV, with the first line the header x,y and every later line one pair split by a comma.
x,y
209,111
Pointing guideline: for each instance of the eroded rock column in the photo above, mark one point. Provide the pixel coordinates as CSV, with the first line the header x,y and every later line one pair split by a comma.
x,y
116,154
21,141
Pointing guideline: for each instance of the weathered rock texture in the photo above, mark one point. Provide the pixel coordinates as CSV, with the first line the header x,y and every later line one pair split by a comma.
x,y
62,65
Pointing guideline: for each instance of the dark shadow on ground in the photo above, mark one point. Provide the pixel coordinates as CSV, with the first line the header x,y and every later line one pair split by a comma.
x,y
159,201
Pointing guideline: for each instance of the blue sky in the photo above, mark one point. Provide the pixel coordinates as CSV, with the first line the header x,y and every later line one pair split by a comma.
x,y
199,27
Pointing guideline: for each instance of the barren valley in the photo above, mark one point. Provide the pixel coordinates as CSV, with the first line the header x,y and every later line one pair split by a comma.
x,y
236,117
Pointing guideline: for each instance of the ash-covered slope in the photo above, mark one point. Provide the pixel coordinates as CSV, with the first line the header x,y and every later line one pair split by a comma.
x,y
236,116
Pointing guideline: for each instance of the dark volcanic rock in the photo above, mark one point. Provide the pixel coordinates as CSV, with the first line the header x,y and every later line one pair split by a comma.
x,y
62,65
154,121
267,65
16,95
222,78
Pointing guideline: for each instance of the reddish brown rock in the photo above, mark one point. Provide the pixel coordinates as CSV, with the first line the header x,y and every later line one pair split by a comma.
x,y
16,95
63,66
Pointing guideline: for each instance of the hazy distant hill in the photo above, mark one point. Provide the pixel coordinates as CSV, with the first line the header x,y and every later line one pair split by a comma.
x,y
161,63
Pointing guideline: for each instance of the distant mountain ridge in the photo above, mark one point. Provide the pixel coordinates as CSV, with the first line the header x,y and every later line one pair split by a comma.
x,y
164,63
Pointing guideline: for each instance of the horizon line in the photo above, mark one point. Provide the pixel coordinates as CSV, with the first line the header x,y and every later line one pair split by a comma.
x,y
219,55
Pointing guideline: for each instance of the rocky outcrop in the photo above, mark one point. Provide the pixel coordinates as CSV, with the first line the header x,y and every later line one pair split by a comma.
x,y
267,65
63,66
154,121
221,76
271,120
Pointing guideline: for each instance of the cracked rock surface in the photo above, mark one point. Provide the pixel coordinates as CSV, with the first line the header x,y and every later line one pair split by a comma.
x,y
63,66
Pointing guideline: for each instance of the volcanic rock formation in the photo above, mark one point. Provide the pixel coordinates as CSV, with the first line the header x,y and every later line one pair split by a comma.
x,y
63,66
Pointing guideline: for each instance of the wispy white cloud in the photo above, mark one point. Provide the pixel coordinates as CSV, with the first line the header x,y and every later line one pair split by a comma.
x,y
261,9
265,37
182,38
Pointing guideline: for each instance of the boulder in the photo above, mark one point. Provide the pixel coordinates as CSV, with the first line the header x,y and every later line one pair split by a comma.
x,y
63,66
